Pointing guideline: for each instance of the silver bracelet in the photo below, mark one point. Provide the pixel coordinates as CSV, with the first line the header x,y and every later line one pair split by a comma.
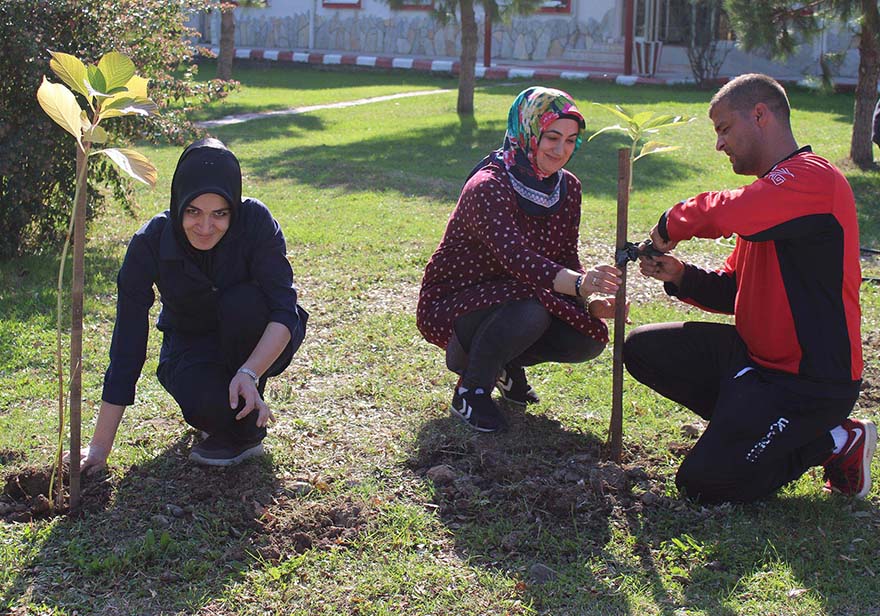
x,y
251,374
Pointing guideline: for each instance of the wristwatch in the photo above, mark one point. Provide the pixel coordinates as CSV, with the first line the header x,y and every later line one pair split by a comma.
x,y
251,374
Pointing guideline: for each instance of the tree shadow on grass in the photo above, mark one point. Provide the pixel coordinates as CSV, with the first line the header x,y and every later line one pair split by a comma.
x,y
533,502
819,545
431,162
28,284
866,189
586,536
166,537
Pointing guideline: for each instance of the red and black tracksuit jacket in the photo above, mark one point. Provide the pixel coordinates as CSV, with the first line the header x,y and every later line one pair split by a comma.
x,y
792,281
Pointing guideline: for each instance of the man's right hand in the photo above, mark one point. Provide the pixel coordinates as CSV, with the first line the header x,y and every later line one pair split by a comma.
x,y
658,241
665,268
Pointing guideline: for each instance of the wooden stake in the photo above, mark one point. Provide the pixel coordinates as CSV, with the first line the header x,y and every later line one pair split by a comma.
x,y
615,430
76,328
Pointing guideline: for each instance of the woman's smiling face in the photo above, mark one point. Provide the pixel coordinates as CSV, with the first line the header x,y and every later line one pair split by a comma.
x,y
556,145
206,220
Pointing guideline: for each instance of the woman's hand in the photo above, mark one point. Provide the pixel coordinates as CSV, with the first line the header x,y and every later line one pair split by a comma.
x,y
665,268
243,386
90,459
94,457
604,279
605,307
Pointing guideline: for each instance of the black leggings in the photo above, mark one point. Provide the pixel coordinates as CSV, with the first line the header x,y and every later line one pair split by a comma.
x,y
764,428
196,369
519,333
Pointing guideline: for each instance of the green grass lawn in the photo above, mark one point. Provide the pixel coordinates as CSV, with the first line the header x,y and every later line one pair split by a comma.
x,y
341,517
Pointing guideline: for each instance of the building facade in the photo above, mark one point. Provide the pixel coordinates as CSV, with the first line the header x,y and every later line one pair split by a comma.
x,y
588,33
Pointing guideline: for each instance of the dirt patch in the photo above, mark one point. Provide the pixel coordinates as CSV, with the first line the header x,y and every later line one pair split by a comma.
x,y
871,377
25,495
537,479
8,456
286,527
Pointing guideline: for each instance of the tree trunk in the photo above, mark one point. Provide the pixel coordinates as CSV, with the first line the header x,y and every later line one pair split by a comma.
x,y
468,61
227,41
861,148
615,429
76,324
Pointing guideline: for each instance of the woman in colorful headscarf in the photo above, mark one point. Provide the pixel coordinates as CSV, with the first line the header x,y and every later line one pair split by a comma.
x,y
229,316
505,288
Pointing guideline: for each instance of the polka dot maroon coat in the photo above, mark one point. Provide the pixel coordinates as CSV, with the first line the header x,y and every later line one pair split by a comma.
x,y
493,252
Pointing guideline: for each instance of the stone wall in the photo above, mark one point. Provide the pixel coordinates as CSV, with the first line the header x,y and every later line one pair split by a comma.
x,y
523,38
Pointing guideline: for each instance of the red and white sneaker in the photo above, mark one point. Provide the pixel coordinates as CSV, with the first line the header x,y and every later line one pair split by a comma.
x,y
849,472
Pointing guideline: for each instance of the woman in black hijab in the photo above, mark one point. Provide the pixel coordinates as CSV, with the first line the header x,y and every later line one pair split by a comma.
x,y
229,314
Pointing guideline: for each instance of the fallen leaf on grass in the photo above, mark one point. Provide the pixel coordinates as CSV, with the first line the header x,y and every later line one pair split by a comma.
x,y
796,592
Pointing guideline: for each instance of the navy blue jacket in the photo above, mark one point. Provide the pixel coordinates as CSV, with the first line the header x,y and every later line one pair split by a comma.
x,y
253,250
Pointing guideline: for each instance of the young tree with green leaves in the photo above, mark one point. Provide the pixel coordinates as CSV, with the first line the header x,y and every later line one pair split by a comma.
x,y
445,11
776,26
109,89
638,127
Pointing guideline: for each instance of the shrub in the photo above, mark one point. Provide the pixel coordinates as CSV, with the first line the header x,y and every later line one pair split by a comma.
x,y
36,157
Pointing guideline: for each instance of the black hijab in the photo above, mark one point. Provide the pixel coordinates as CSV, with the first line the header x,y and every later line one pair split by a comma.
x,y
206,166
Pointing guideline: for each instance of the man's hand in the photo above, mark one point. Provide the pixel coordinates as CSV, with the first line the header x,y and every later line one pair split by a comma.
x,y
243,386
665,268
658,241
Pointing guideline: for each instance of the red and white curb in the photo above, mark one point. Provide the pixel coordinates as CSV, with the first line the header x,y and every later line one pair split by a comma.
x,y
492,72
445,66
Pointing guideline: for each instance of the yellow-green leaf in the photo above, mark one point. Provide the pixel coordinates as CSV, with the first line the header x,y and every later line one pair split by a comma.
x,y
137,87
95,134
60,104
617,110
642,117
70,70
116,69
125,105
607,128
97,85
133,163
654,147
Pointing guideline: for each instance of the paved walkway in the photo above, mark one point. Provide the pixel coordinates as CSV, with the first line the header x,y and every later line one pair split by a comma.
x,y
245,117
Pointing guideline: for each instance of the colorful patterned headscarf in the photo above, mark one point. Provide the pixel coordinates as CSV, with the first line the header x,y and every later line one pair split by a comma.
x,y
531,113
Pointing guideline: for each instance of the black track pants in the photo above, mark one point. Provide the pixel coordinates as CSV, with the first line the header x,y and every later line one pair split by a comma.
x,y
764,429
196,369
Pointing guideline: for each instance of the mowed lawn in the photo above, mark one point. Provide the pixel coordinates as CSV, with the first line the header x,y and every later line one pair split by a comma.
x,y
373,500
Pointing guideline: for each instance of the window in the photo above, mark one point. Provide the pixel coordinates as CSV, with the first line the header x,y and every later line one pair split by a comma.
x,y
416,5
670,20
555,6
341,4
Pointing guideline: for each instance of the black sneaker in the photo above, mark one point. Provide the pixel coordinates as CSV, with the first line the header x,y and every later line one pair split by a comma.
x,y
214,451
477,409
515,388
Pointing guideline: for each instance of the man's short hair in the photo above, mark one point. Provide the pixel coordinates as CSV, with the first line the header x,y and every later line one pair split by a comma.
x,y
746,91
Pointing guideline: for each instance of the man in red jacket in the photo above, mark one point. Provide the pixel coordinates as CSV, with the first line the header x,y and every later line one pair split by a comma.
x,y
778,386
